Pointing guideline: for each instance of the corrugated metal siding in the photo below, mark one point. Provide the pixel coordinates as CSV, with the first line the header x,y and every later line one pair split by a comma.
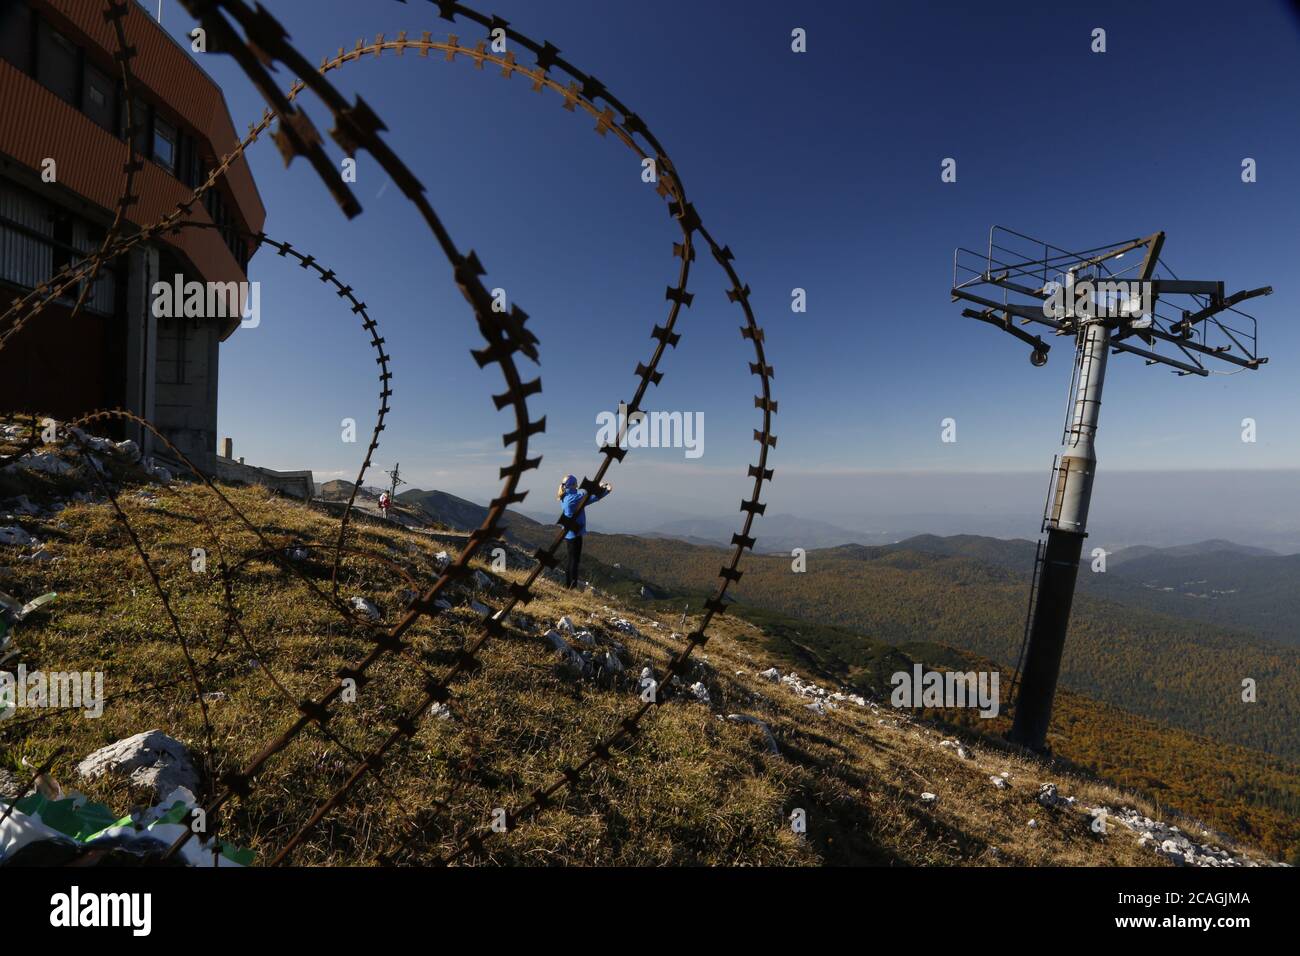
x,y
175,79
24,261
36,124
27,261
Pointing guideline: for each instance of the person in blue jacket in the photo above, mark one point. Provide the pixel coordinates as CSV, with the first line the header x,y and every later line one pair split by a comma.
x,y
570,496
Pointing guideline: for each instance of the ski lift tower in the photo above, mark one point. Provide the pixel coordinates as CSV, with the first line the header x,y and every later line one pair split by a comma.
x,y
1107,307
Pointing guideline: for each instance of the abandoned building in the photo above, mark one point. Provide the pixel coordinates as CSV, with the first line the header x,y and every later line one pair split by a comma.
x,y
62,149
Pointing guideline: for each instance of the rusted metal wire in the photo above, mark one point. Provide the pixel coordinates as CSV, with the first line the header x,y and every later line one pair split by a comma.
x,y
358,127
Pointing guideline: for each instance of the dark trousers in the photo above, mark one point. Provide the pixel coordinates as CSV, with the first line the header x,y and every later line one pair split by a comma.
x,y
575,555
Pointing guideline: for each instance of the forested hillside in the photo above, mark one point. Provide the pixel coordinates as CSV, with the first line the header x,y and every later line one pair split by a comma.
x,y
1183,673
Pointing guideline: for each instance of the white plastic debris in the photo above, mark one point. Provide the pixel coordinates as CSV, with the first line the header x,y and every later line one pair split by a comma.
x,y
928,797
998,782
20,829
365,607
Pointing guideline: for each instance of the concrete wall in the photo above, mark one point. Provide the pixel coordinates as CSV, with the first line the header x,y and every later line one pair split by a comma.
x,y
296,484
185,376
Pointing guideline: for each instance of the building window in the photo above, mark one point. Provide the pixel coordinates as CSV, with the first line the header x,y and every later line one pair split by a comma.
x,y
57,64
164,144
16,25
61,233
99,98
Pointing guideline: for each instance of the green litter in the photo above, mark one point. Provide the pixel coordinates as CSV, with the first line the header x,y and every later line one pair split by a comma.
x,y
85,821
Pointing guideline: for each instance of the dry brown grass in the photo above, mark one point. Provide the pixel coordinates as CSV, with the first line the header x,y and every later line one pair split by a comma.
x,y
697,789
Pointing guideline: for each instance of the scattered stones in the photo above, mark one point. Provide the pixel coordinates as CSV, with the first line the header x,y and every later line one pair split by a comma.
x,y
44,462
1173,844
700,693
998,782
624,626
771,674
156,471
15,536
1048,797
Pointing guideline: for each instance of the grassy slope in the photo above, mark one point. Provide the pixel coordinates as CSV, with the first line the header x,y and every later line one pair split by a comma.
x,y
1246,791
697,789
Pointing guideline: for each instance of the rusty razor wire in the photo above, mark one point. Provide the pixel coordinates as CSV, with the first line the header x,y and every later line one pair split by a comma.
x,y
256,41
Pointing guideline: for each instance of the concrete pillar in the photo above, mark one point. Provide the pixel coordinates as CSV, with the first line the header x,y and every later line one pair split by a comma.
x,y
141,342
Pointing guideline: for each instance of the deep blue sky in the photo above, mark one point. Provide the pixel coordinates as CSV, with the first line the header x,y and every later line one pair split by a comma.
x,y
820,170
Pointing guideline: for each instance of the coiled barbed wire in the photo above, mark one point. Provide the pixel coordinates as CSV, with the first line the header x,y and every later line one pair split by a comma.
x,y
358,127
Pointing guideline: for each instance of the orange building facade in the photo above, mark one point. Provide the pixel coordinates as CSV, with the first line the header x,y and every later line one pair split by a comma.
x,y
62,150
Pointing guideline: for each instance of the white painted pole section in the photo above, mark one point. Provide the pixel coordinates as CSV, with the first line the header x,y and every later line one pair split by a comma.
x,y
1079,456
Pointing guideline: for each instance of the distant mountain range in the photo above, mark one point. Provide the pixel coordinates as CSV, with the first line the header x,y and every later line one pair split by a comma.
x,y
780,533
1216,581
458,513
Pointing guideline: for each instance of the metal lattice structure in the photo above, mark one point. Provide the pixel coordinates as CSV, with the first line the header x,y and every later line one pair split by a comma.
x,y
1106,307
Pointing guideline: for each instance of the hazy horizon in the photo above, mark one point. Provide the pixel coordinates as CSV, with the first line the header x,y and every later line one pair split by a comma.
x,y
1157,508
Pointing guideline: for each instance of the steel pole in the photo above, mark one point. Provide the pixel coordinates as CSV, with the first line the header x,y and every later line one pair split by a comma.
x,y
1066,522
